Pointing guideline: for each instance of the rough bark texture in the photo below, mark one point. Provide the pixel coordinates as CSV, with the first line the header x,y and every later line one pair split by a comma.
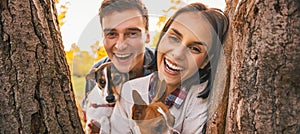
x,y
36,95
264,94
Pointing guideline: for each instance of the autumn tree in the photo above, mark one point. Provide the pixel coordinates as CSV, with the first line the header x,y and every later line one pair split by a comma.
x,y
82,63
36,93
162,19
263,63
98,51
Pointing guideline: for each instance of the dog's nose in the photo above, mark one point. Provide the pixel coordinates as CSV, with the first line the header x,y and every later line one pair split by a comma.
x,y
110,98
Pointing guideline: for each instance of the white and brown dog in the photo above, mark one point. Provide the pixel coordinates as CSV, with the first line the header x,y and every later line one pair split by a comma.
x,y
153,118
101,99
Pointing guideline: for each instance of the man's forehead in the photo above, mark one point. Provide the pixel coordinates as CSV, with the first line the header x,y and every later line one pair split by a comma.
x,y
128,18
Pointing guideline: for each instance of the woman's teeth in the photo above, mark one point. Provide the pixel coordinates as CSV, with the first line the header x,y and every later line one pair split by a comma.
x,y
172,66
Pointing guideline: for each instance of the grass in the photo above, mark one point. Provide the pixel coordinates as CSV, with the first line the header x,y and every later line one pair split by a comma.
x,y
78,87
78,84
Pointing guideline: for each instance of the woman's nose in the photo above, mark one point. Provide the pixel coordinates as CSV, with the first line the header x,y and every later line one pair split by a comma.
x,y
179,52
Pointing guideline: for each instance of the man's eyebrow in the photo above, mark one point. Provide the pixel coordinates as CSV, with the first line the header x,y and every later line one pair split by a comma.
x,y
134,29
108,30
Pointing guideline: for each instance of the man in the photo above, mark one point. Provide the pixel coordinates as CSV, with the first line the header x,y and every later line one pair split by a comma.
x,y
125,27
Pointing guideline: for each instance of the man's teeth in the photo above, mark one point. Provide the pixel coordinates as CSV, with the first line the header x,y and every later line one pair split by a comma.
x,y
172,66
122,55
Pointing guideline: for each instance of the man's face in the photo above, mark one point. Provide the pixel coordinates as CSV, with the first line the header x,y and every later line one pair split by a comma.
x,y
124,39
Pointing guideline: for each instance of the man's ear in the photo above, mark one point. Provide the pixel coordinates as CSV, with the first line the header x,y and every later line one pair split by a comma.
x,y
147,40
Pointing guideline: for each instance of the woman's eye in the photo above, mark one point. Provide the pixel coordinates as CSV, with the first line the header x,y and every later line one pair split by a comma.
x,y
173,38
195,49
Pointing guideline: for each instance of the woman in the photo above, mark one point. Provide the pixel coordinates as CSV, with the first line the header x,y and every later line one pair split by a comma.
x,y
187,54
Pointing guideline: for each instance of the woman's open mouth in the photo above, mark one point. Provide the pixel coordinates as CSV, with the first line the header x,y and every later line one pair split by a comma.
x,y
172,66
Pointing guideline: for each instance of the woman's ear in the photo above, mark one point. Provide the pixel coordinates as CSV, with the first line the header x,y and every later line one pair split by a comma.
x,y
204,63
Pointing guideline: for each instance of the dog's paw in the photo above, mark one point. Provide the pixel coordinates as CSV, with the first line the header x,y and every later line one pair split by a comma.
x,y
105,125
92,127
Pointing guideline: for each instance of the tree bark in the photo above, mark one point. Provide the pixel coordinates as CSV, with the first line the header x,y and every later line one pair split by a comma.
x,y
264,95
36,93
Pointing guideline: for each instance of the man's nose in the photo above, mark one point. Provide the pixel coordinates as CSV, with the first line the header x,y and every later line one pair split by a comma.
x,y
120,44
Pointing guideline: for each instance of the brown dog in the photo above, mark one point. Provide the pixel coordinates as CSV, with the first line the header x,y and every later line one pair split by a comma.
x,y
103,97
154,118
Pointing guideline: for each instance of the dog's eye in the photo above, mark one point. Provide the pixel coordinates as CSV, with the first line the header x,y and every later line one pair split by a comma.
x,y
117,79
159,127
102,83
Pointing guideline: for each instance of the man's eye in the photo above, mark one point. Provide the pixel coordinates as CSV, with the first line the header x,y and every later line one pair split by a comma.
x,y
111,35
132,34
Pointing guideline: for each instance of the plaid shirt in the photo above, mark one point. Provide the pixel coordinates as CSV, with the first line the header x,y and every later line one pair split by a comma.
x,y
176,98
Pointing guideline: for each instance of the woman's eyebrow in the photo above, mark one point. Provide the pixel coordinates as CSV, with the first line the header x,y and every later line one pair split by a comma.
x,y
200,43
180,35
177,32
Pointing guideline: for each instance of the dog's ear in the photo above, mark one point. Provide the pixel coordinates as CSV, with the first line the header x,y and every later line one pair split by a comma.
x,y
102,66
139,107
171,119
161,91
137,98
92,74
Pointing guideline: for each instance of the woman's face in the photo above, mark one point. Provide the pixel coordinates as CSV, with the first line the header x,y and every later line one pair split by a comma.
x,y
183,48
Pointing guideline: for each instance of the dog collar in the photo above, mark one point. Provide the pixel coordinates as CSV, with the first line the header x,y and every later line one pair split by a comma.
x,y
94,105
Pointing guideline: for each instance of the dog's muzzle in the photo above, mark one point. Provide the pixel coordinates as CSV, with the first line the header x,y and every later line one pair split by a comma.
x,y
110,99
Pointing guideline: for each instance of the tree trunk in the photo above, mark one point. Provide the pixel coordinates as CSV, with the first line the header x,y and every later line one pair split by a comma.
x,y
36,93
264,94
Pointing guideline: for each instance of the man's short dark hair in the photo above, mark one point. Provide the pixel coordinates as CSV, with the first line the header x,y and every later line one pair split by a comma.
x,y
109,6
